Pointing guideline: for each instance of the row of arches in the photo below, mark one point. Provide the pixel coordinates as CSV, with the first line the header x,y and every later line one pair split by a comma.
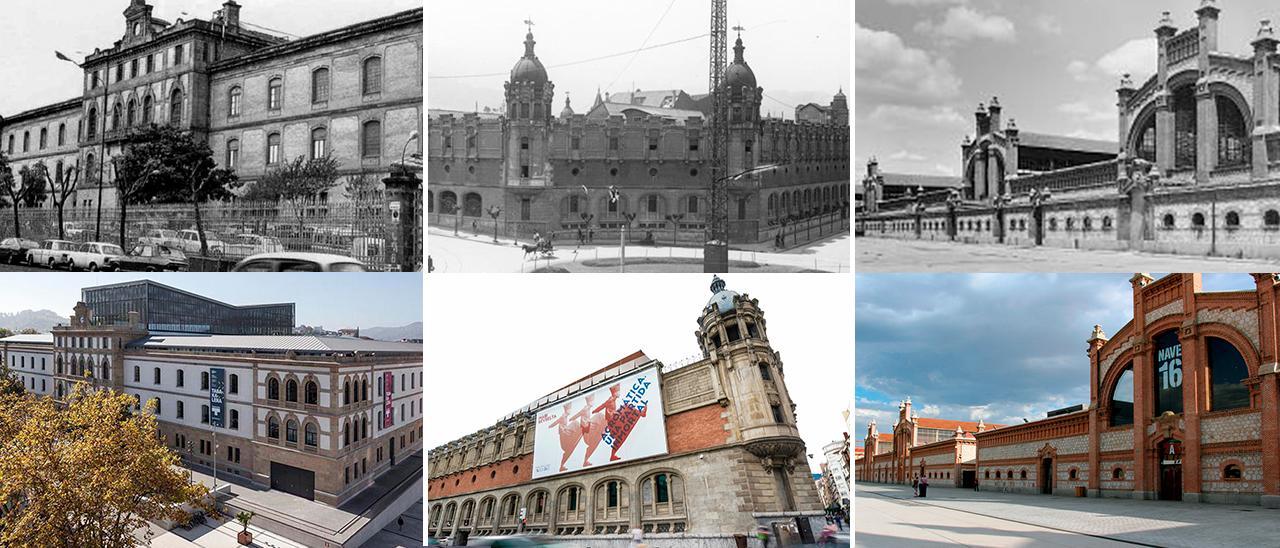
x,y
1231,110
310,389
81,365
310,431
611,505
136,113
44,139
1270,220
812,199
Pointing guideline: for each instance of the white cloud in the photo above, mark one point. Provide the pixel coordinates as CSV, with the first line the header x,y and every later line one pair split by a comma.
x,y
946,170
1091,134
930,410
906,155
889,70
1080,71
916,116
1133,57
924,2
1048,24
1083,111
963,23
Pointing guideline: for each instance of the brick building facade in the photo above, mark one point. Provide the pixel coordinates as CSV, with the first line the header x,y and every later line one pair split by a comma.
x,y
317,417
651,145
733,460
921,447
1195,168
258,99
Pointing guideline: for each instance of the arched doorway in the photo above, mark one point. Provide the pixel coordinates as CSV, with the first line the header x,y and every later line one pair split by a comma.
x,y
1046,476
1169,455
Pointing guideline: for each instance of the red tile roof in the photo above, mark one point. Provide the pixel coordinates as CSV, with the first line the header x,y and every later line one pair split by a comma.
x,y
944,424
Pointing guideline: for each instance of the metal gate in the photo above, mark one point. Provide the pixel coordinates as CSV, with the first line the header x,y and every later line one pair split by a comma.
x,y
293,480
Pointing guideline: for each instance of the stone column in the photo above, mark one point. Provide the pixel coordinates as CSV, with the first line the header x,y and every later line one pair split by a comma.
x,y
1265,99
1164,116
1206,133
995,179
401,199
1269,343
1194,382
1096,342
980,173
1124,94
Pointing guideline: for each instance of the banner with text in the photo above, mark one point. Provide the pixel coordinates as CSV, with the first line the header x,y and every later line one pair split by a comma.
x,y
617,421
388,409
217,396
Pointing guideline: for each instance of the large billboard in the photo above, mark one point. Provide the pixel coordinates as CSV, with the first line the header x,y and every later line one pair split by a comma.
x,y
388,404
1168,372
217,396
616,421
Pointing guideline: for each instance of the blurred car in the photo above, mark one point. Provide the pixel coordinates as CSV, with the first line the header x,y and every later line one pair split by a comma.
x,y
52,253
160,236
74,230
14,250
189,242
93,256
253,244
151,258
299,262
509,541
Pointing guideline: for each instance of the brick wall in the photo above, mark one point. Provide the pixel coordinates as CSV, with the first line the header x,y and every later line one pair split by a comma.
x,y
697,429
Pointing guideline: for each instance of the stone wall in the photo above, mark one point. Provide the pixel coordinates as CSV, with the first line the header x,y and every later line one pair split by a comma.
x,y
1066,446
1215,488
1116,440
1231,428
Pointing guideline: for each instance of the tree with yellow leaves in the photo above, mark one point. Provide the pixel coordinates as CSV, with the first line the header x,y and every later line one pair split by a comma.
x,y
89,472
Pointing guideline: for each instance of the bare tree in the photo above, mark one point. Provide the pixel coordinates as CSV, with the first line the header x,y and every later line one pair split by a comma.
x,y
62,186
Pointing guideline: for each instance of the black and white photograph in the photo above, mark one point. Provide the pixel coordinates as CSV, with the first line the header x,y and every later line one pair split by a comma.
x,y
1067,136
677,136
193,135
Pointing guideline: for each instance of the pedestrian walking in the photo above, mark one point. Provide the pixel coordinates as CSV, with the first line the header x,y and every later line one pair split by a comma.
x,y
915,486
637,539
591,235
924,486
400,522
582,238
762,533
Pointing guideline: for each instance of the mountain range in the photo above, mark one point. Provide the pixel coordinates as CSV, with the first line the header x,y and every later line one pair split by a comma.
x,y
411,331
39,320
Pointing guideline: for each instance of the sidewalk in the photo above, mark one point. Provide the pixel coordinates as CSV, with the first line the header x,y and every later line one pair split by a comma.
x,y
1148,522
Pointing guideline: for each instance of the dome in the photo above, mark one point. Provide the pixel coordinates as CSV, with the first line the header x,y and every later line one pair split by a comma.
x,y
739,73
529,68
721,298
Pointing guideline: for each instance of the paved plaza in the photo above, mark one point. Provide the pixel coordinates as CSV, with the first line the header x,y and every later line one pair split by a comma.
x,y
891,255
888,515
468,252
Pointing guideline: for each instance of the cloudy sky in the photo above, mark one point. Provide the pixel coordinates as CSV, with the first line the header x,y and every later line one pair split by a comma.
x,y
500,342
333,300
799,49
33,29
997,347
924,65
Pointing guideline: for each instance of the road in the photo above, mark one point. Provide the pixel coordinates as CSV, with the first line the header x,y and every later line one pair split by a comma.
x,y
5,267
889,255
890,522
471,253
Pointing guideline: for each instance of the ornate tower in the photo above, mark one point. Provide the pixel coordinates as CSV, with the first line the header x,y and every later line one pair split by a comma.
x,y
744,117
840,109
733,335
528,99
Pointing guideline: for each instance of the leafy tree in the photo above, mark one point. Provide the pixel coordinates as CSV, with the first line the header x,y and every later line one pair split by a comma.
x,y
89,473
61,188
297,183
9,383
5,332
27,191
188,173
29,331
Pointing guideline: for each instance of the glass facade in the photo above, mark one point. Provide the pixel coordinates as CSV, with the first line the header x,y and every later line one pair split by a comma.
x,y
163,308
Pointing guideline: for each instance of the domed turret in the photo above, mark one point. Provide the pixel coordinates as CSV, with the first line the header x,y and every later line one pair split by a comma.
x,y
568,110
529,68
739,73
721,298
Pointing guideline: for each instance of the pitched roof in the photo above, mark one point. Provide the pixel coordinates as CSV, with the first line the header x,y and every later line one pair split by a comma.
x,y
270,343
944,424
885,437
41,338
661,98
620,109
1062,142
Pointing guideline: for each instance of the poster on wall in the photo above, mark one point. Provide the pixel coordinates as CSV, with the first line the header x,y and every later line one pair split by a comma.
x,y
388,403
616,421
1168,372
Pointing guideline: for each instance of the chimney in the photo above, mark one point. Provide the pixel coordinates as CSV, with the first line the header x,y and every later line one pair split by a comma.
x,y
231,13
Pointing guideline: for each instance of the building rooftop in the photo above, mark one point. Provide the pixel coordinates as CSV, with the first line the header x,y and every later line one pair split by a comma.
x,y
42,338
271,343
944,424
184,292
1062,142
621,109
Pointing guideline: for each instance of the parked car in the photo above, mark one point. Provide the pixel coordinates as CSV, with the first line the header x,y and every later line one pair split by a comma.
x,y
299,262
189,242
253,244
52,253
14,250
73,230
151,258
94,256
161,236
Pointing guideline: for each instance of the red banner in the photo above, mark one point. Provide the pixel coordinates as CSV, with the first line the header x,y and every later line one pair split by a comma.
x,y
388,410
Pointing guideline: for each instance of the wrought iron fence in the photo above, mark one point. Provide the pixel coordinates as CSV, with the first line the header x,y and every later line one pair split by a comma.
x,y
364,229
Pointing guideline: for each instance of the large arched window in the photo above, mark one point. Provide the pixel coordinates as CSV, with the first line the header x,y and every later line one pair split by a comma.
x,y
448,201
233,154
371,139
291,390
312,393
537,506
372,75
662,497
291,431
233,101
1184,127
273,388
1227,372
147,109
44,138
570,506
612,502
91,130
1122,399
320,85
275,88
1233,134
62,134
273,148
472,205
116,112
310,434
273,428
132,115
1166,369
175,107
319,143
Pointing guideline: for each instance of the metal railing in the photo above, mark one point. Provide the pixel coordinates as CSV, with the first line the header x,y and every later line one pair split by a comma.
x,y
1097,174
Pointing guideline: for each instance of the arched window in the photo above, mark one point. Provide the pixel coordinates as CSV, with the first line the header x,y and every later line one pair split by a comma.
x,y
320,85
291,390
1117,473
291,431
1022,474
1233,134
131,115
273,428
472,205
1168,220
1197,220
1233,219
147,109
1122,399
116,112
1147,142
1227,372
570,508
1232,472
175,107
372,75
662,496
274,89
537,506
1184,126
91,130
233,154
371,139
319,143
1073,474
1271,219
273,148
448,202
312,391
273,388
233,101
310,435
692,204
346,433
44,138
62,134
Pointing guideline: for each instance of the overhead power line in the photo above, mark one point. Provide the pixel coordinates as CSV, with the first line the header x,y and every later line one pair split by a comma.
x,y
642,45
569,64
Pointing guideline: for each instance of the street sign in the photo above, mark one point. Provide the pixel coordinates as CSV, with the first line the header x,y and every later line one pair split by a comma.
x,y
395,210
217,395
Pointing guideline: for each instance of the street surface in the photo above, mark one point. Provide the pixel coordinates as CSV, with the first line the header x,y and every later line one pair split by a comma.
x,y
470,253
889,255
888,515
5,267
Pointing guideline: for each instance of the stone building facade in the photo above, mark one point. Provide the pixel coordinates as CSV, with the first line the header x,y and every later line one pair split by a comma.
x,y
944,451
316,417
734,460
1195,168
354,93
653,146
1183,405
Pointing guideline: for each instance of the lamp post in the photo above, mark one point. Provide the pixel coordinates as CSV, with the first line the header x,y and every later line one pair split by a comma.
x,y
494,212
715,255
413,136
622,260
102,132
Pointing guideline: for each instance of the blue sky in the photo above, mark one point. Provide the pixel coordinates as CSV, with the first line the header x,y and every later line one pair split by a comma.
x,y
332,300
922,67
997,347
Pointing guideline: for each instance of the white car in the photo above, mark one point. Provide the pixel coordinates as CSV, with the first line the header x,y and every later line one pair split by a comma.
x,y
299,262
189,243
94,256
160,236
252,244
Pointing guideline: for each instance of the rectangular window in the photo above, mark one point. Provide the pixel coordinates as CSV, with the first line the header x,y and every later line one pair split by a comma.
x,y
653,144
177,55
157,375
119,71
613,143
204,414
181,410
576,142
777,414
693,145
133,68
524,172
151,63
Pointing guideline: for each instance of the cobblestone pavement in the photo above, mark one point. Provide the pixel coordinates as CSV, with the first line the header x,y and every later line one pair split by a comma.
x,y
1143,522
889,255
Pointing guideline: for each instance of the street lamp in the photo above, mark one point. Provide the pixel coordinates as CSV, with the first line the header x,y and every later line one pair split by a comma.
x,y
102,148
715,254
413,136
495,211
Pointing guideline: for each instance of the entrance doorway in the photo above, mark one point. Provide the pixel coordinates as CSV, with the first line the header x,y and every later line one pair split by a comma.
x,y
968,478
293,480
1037,221
1046,476
1170,470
